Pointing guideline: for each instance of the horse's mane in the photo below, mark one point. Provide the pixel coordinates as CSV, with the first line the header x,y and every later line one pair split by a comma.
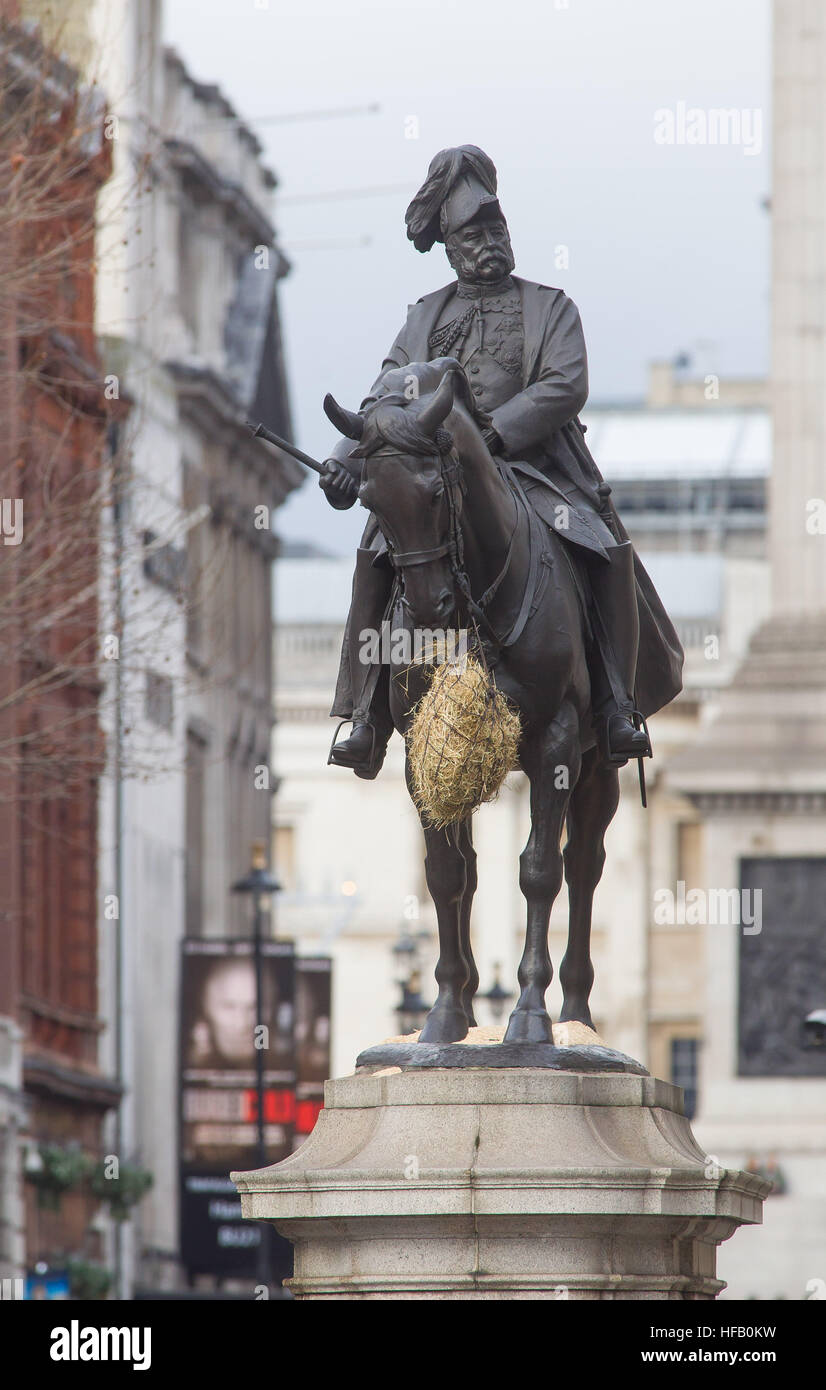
x,y
393,418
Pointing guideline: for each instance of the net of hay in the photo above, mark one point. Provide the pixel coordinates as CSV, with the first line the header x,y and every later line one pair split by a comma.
x,y
462,742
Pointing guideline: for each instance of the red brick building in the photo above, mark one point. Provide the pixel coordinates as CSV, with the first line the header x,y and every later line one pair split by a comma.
x,y
53,462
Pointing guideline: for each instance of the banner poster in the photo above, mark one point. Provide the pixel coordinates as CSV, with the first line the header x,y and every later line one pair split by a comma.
x,y
313,997
219,1037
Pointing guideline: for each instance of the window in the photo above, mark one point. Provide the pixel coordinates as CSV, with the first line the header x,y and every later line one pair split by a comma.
x,y
684,1070
782,963
163,564
195,794
189,268
196,580
284,856
159,703
690,853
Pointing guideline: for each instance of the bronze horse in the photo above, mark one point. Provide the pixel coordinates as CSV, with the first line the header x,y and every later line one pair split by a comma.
x,y
460,541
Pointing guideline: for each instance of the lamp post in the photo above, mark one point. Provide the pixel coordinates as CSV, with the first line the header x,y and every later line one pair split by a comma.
x,y
259,883
412,1008
497,996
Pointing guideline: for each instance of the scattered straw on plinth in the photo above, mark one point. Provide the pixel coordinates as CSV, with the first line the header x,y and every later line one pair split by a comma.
x,y
462,742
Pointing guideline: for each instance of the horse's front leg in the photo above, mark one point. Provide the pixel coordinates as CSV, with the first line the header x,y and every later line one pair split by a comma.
x,y
446,877
551,760
446,881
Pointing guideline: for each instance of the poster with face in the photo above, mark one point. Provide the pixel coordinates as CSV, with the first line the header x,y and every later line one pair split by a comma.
x,y
221,1039
220,1030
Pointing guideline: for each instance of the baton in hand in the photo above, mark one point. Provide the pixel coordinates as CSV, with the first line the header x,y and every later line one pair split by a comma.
x,y
261,431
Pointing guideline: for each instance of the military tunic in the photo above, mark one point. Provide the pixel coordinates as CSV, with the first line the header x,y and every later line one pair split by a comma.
x,y
481,326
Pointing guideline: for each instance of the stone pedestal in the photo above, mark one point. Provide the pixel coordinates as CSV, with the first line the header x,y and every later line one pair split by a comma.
x,y
508,1184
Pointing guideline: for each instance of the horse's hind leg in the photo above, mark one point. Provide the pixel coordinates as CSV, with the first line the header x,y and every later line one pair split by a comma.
x,y
471,879
540,866
593,804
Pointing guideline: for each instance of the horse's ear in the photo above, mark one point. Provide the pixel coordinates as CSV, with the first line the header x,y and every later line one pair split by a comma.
x,y
438,407
347,422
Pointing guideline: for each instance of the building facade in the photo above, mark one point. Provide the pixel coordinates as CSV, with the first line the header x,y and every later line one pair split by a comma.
x,y
186,326
188,316
56,1090
757,776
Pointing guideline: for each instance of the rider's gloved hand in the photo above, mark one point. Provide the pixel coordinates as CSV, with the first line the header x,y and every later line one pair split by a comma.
x,y
338,485
494,443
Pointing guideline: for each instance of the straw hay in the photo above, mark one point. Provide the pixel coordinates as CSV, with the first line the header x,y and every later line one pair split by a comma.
x,y
462,742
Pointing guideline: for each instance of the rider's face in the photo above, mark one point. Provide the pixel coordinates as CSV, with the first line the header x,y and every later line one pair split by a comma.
x,y
481,251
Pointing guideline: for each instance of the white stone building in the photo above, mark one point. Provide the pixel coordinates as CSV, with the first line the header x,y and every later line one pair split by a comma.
x,y
188,320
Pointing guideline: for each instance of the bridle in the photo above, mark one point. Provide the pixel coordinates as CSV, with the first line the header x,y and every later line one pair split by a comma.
x,y
455,486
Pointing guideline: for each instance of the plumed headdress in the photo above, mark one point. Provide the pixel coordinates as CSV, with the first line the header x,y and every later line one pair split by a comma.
x,y
460,183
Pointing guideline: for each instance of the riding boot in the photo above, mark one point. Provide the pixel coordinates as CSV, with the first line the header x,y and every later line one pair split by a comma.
x,y
366,746
620,726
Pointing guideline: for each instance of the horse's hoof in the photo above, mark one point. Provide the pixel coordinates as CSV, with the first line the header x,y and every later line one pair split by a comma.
x,y
577,1013
529,1026
445,1025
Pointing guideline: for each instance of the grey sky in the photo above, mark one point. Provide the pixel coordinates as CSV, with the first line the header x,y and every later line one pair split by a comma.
x,y
667,244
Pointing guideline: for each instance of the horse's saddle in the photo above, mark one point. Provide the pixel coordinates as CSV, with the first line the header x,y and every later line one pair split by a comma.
x,y
566,511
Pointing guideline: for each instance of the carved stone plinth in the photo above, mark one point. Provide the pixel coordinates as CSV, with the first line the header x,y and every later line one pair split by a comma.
x,y
520,1184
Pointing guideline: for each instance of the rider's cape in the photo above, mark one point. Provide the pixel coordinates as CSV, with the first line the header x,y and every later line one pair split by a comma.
x,y
545,446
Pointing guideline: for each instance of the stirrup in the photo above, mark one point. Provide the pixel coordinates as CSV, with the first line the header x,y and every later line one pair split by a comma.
x,y
331,761
370,767
638,720
618,759
636,716
339,727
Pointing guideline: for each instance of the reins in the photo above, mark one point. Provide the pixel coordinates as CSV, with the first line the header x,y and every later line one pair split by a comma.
x,y
453,478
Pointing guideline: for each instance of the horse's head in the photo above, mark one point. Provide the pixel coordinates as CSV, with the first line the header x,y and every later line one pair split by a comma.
x,y
411,480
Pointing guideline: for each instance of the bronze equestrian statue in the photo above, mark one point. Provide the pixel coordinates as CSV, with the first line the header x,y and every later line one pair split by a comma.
x,y
487,512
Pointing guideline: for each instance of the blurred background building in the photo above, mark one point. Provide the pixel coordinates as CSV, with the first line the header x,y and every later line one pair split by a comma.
x,y
189,314
55,1087
189,346
757,775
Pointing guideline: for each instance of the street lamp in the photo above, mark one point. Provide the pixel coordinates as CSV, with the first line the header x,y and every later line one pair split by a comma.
x,y
497,996
412,1008
405,948
259,883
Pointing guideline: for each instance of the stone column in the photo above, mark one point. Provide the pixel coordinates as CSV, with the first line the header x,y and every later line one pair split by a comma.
x,y
502,1184
797,542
